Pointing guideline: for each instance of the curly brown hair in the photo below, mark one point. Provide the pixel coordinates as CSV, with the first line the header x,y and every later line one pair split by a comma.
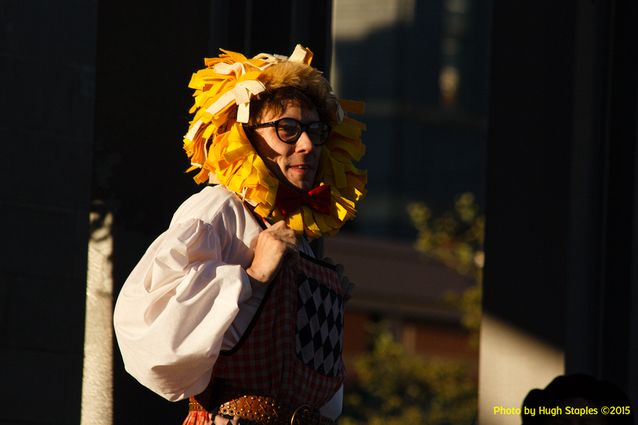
x,y
291,82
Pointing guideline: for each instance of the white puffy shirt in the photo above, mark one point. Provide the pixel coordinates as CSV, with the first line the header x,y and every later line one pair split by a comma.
x,y
190,297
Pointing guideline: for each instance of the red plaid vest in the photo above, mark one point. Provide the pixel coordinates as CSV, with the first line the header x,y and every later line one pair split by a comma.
x,y
291,351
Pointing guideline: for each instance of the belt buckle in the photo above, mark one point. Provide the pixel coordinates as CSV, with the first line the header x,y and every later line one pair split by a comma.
x,y
297,414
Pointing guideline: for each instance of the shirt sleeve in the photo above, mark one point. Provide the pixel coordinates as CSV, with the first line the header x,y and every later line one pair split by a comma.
x,y
173,310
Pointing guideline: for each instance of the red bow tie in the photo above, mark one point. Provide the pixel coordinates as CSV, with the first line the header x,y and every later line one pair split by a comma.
x,y
290,200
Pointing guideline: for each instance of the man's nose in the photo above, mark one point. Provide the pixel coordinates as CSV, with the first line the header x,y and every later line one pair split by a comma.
x,y
304,143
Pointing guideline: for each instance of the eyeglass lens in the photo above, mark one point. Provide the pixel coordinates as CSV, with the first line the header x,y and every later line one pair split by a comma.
x,y
289,130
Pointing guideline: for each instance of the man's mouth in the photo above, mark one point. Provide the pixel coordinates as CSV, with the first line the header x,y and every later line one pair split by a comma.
x,y
300,167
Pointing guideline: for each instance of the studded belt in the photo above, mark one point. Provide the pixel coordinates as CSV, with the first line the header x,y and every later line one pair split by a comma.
x,y
259,410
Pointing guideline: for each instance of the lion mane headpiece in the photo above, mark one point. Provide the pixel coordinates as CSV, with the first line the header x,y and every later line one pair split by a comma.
x,y
217,144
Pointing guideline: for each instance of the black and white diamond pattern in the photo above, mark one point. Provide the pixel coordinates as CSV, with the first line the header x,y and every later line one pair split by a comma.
x,y
319,327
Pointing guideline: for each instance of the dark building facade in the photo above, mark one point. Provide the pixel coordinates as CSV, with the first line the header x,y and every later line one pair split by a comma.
x,y
561,238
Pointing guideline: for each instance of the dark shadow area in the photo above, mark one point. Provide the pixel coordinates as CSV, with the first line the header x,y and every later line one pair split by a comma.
x,y
46,129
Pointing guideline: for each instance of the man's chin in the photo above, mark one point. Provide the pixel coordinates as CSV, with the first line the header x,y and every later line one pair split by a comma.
x,y
304,185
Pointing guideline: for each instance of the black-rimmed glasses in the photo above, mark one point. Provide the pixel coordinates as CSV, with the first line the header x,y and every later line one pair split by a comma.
x,y
289,130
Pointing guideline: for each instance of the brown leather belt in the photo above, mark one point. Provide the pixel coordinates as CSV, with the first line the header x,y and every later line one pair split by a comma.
x,y
266,411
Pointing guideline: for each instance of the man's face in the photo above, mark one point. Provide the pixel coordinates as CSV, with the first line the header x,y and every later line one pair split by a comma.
x,y
297,163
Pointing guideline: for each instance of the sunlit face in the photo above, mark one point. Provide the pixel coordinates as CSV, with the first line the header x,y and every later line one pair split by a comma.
x,y
296,163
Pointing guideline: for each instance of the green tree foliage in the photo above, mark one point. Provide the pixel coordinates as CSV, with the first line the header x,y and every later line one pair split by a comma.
x,y
392,386
455,238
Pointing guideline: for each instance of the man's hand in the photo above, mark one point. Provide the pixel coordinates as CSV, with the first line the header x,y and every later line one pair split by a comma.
x,y
273,245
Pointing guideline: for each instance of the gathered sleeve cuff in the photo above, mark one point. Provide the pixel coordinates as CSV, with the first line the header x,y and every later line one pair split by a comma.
x,y
173,310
